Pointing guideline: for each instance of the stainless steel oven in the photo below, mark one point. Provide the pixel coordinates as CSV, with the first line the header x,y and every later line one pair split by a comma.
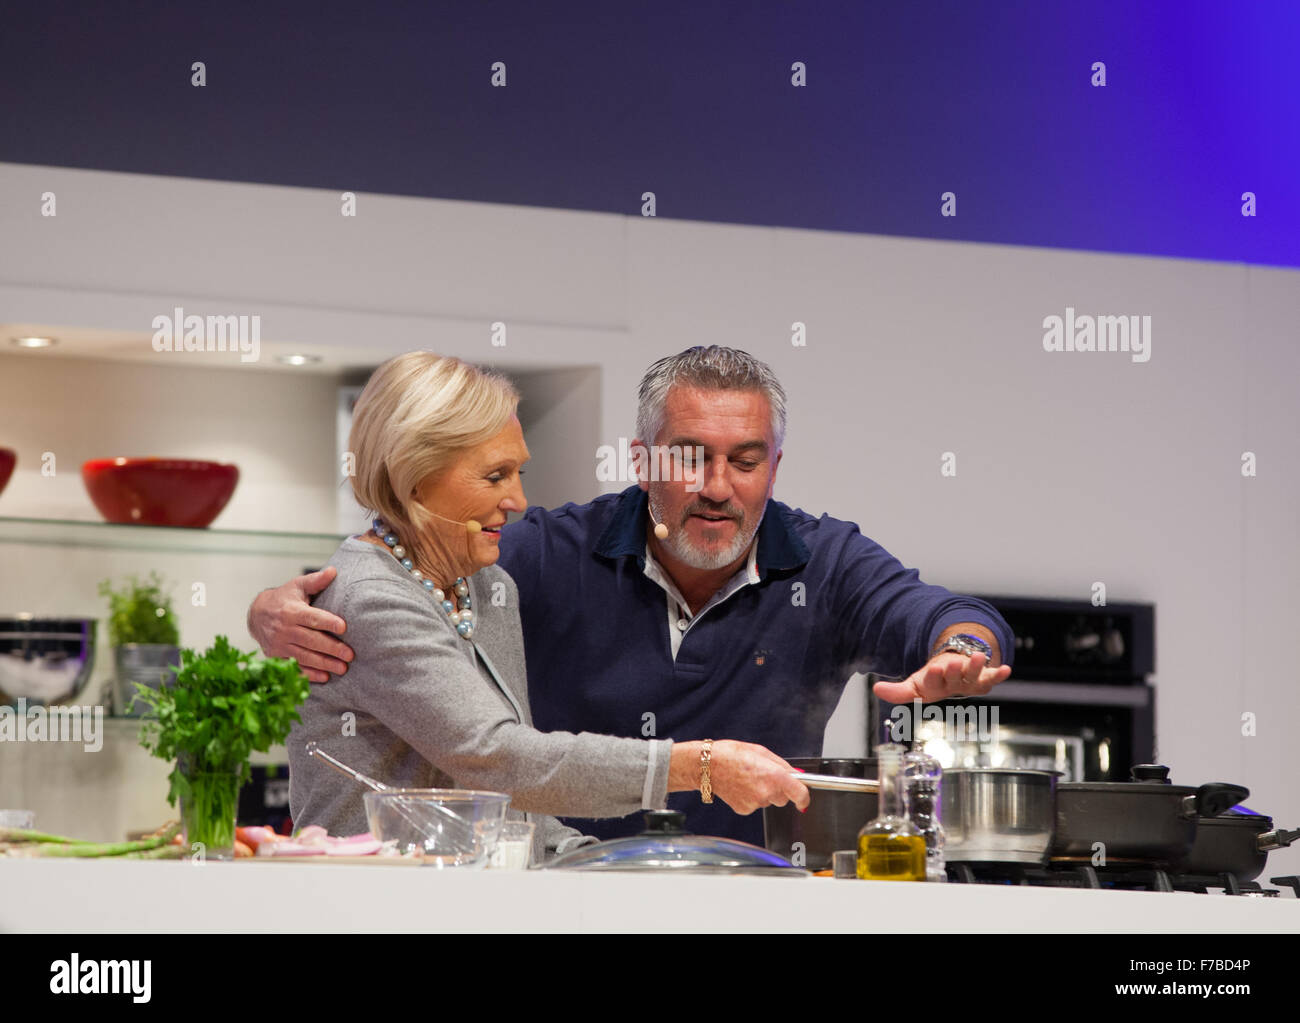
x,y
1080,700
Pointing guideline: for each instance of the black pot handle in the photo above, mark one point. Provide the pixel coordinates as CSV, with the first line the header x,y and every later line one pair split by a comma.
x,y
1277,839
1217,796
664,822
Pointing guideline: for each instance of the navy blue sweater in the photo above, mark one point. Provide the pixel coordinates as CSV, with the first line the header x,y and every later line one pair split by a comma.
x,y
767,665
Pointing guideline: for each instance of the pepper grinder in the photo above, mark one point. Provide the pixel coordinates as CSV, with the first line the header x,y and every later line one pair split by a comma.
x,y
923,779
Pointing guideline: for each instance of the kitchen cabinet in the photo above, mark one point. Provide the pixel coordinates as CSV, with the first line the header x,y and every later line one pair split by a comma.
x,y
101,795
53,568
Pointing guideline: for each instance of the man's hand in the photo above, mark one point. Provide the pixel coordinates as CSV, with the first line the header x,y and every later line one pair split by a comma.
x,y
944,676
284,624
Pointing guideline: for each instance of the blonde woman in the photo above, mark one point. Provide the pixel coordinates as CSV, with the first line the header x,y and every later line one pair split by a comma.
x,y
438,688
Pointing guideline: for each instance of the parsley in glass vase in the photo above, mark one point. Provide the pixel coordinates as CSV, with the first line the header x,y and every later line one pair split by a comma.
x,y
225,704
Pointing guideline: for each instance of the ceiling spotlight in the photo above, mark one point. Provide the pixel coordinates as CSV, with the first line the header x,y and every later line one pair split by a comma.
x,y
297,360
33,342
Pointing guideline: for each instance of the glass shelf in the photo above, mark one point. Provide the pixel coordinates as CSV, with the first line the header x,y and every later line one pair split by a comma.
x,y
114,536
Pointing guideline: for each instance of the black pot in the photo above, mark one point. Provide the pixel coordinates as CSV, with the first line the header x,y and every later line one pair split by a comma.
x,y
1238,843
832,820
1145,820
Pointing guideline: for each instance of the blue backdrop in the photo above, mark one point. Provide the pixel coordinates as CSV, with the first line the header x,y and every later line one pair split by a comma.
x,y
604,101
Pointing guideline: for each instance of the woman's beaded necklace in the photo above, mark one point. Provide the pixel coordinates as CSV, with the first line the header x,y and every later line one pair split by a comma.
x,y
462,616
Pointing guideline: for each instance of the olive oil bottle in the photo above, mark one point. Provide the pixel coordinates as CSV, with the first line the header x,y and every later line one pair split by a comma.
x,y
889,847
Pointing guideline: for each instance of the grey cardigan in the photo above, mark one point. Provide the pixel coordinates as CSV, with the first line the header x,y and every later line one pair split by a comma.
x,y
419,707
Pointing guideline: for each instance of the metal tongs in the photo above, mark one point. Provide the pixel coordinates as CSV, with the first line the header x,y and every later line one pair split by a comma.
x,y
834,783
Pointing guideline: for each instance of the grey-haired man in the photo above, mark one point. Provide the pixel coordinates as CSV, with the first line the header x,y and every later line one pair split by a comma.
x,y
694,605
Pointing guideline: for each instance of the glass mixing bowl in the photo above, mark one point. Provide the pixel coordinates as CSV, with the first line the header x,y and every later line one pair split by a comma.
x,y
447,827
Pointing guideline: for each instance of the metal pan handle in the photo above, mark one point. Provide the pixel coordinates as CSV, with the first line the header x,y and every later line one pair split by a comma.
x,y
834,783
1276,839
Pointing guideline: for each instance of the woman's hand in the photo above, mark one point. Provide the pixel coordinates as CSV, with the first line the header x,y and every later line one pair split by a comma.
x,y
744,775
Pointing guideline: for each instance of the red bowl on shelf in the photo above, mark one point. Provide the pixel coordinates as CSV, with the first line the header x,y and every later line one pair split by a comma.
x,y
7,459
159,491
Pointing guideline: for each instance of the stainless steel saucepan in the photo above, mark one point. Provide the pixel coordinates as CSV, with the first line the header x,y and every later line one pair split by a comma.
x,y
998,815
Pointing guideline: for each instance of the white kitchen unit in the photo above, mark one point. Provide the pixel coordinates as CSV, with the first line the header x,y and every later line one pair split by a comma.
x,y
108,789
97,896
101,795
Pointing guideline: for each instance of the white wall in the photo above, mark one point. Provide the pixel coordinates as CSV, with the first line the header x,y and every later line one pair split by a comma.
x,y
279,431
560,413
1072,468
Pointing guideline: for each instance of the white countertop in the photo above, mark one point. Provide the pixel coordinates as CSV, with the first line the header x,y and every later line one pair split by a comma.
x,y
90,896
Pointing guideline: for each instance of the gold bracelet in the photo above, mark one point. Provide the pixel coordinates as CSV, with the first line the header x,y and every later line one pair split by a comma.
x,y
706,783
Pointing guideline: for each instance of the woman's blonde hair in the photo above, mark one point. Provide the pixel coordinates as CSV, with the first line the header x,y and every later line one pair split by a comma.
x,y
418,412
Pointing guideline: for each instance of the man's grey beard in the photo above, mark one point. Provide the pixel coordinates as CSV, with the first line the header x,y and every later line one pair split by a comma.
x,y
680,546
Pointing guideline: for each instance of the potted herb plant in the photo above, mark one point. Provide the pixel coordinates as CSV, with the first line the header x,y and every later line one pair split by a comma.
x,y
224,705
142,630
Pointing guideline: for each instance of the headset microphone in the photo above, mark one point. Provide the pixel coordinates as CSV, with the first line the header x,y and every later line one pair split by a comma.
x,y
471,525
661,530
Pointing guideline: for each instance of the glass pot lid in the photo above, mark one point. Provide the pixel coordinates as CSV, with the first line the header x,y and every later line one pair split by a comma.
x,y
664,845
